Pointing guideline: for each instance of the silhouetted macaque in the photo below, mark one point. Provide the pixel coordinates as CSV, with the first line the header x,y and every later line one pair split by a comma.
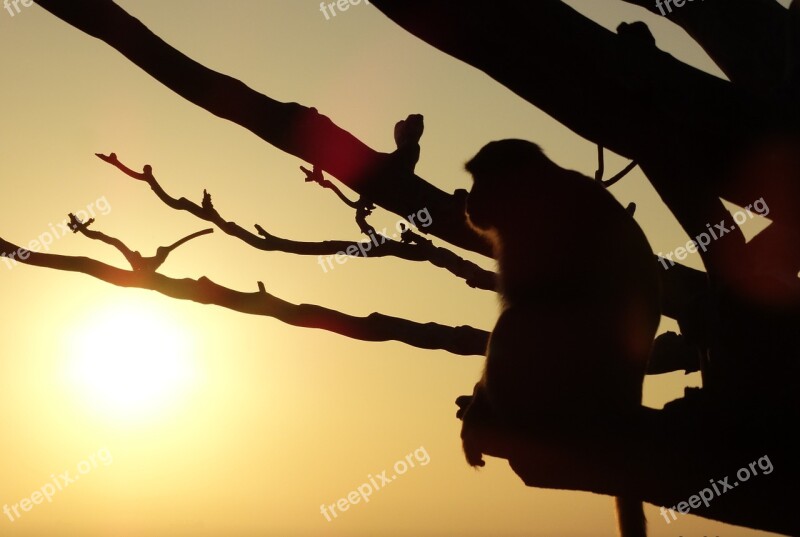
x,y
580,304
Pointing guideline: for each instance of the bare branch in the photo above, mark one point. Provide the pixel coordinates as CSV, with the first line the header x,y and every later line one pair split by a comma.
x,y
315,176
598,175
625,171
189,237
134,258
681,284
461,340
363,206
364,209
383,246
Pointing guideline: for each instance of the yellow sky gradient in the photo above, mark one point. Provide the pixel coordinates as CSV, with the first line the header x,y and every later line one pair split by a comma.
x,y
271,420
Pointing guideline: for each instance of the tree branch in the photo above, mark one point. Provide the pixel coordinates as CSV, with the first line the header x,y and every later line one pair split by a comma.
x,y
136,260
408,248
750,40
598,175
624,111
290,127
315,176
462,340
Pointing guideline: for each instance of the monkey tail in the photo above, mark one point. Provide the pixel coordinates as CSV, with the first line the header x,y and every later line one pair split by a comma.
x,y
630,517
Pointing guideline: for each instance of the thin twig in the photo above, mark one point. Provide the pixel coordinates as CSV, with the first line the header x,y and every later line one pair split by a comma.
x,y
315,176
621,174
136,260
598,175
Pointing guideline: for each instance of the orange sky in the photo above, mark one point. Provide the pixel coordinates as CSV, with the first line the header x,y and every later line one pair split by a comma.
x,y
253,424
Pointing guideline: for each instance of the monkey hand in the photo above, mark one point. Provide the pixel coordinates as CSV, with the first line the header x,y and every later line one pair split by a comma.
x,y
481,432
484,432
472,449
471,434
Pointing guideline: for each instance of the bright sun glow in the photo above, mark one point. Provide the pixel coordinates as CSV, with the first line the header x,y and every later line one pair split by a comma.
x,y
130,361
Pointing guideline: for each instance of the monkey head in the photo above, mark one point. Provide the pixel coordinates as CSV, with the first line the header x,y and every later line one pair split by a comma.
x,y
505,176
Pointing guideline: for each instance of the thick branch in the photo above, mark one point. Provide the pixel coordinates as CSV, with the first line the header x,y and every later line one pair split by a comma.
x,y
629,105
750,40
292,128
462,340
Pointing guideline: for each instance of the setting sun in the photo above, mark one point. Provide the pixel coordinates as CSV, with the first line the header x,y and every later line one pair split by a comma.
x,y
130,360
